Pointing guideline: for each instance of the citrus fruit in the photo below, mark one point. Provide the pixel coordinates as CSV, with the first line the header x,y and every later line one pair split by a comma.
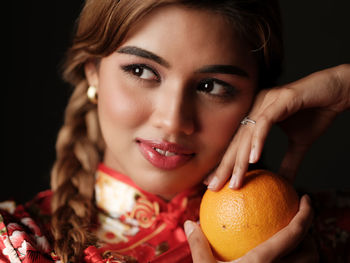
x,y
235,221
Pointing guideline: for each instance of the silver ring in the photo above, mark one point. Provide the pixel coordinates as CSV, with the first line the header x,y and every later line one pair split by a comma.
x,y
247,120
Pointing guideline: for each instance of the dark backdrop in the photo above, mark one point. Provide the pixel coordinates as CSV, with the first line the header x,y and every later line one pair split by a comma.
x,y
316,36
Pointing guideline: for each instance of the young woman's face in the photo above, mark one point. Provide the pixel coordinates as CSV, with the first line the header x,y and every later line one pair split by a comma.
x,y
171,97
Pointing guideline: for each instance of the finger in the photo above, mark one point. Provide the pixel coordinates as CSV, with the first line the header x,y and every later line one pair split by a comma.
x,y
292,160
199,245
262,129
254,136
225,168
242,156
209,178
250,147
228,162
277,105
270,107
286,239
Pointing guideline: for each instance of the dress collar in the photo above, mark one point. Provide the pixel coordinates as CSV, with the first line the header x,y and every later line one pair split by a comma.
x,y
134,223
116,194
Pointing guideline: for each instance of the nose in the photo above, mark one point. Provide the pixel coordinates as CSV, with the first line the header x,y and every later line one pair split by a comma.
x,y
174,111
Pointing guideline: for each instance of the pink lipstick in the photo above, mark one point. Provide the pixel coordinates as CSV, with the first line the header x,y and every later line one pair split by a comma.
x,y
164,155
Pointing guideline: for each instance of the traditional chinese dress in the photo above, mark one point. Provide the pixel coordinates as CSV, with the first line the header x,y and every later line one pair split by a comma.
x,y
135,226
132,225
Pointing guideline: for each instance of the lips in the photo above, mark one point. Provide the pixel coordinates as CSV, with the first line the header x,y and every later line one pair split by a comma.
x,y
164,155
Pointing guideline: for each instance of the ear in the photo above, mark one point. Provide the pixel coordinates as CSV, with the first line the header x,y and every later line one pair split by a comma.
x,y
91,73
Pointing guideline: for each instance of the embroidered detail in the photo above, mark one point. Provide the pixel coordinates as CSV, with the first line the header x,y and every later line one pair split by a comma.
x,y
7,249
114,257
112,196
134,222
40,239
144,240
112,230
145,212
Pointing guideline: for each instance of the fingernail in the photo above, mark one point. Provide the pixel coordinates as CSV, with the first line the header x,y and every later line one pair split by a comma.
x,y
213,183
233,182
252,156
189,227
308,199
207,180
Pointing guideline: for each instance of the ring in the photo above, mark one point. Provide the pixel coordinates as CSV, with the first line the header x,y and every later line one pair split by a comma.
x,y
247,120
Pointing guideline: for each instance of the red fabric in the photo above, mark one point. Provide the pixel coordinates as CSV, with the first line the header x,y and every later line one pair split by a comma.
x,y
25,235
163,237
163,241
182,254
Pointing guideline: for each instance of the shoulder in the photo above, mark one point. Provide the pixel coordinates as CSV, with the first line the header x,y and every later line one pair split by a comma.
x,y
24,230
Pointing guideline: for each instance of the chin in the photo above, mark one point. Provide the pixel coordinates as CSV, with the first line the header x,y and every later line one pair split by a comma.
x,y
161,186
166,191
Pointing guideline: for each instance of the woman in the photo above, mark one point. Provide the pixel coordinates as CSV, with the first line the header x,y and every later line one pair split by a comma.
x,y
154,83
304,109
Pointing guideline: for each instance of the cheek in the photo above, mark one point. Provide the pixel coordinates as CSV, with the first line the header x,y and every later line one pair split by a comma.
x,y
219,126
119,105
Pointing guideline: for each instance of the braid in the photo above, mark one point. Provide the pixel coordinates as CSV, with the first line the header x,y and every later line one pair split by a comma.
x,y
79,149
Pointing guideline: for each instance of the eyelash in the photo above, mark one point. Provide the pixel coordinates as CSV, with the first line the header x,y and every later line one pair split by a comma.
x,y
130,69
229,92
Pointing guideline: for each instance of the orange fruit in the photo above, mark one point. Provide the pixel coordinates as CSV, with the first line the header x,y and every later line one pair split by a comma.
x,y
235,221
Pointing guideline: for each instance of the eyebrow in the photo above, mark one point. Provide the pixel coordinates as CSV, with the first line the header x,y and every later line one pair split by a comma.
x,y
224,69
220,69
131,50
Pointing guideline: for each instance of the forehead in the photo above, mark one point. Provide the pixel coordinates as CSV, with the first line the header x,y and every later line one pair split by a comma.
x,y
175,32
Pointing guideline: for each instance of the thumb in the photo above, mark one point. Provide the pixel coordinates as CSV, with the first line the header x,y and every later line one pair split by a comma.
x,y
200,249
292,159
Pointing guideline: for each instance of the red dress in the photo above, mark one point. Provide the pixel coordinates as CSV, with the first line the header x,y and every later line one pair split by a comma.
x,y
136,226
132,225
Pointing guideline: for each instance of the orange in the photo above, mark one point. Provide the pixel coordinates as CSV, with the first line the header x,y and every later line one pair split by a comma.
x,y
235,221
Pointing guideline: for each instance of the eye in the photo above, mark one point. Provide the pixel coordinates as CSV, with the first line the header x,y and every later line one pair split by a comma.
x,y
141,71
216,87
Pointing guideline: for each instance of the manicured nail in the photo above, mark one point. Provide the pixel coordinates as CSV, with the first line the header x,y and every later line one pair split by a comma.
x,y
207,180
189,227
233,182
252,156
213,183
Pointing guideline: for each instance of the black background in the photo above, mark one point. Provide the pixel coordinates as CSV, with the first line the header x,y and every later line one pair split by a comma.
x,y
316,37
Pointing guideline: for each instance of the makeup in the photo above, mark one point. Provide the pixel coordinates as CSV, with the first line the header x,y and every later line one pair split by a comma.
x,y
164,155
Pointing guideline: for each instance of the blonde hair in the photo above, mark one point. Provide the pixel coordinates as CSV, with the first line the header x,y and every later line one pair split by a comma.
x,y
101,27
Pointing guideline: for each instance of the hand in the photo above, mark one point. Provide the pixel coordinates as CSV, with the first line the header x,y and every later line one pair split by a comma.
x,y
279,245
304,109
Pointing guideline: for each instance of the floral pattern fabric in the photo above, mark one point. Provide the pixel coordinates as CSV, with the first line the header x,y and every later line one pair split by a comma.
x,y
135,226
131,225
21,238
140,226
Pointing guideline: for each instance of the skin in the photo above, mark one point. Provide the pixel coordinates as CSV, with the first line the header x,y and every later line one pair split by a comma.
x,y
274,249
166,101
304,109
170,105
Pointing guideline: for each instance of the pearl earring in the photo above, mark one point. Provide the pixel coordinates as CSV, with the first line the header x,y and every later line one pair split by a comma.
x,y
92,94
